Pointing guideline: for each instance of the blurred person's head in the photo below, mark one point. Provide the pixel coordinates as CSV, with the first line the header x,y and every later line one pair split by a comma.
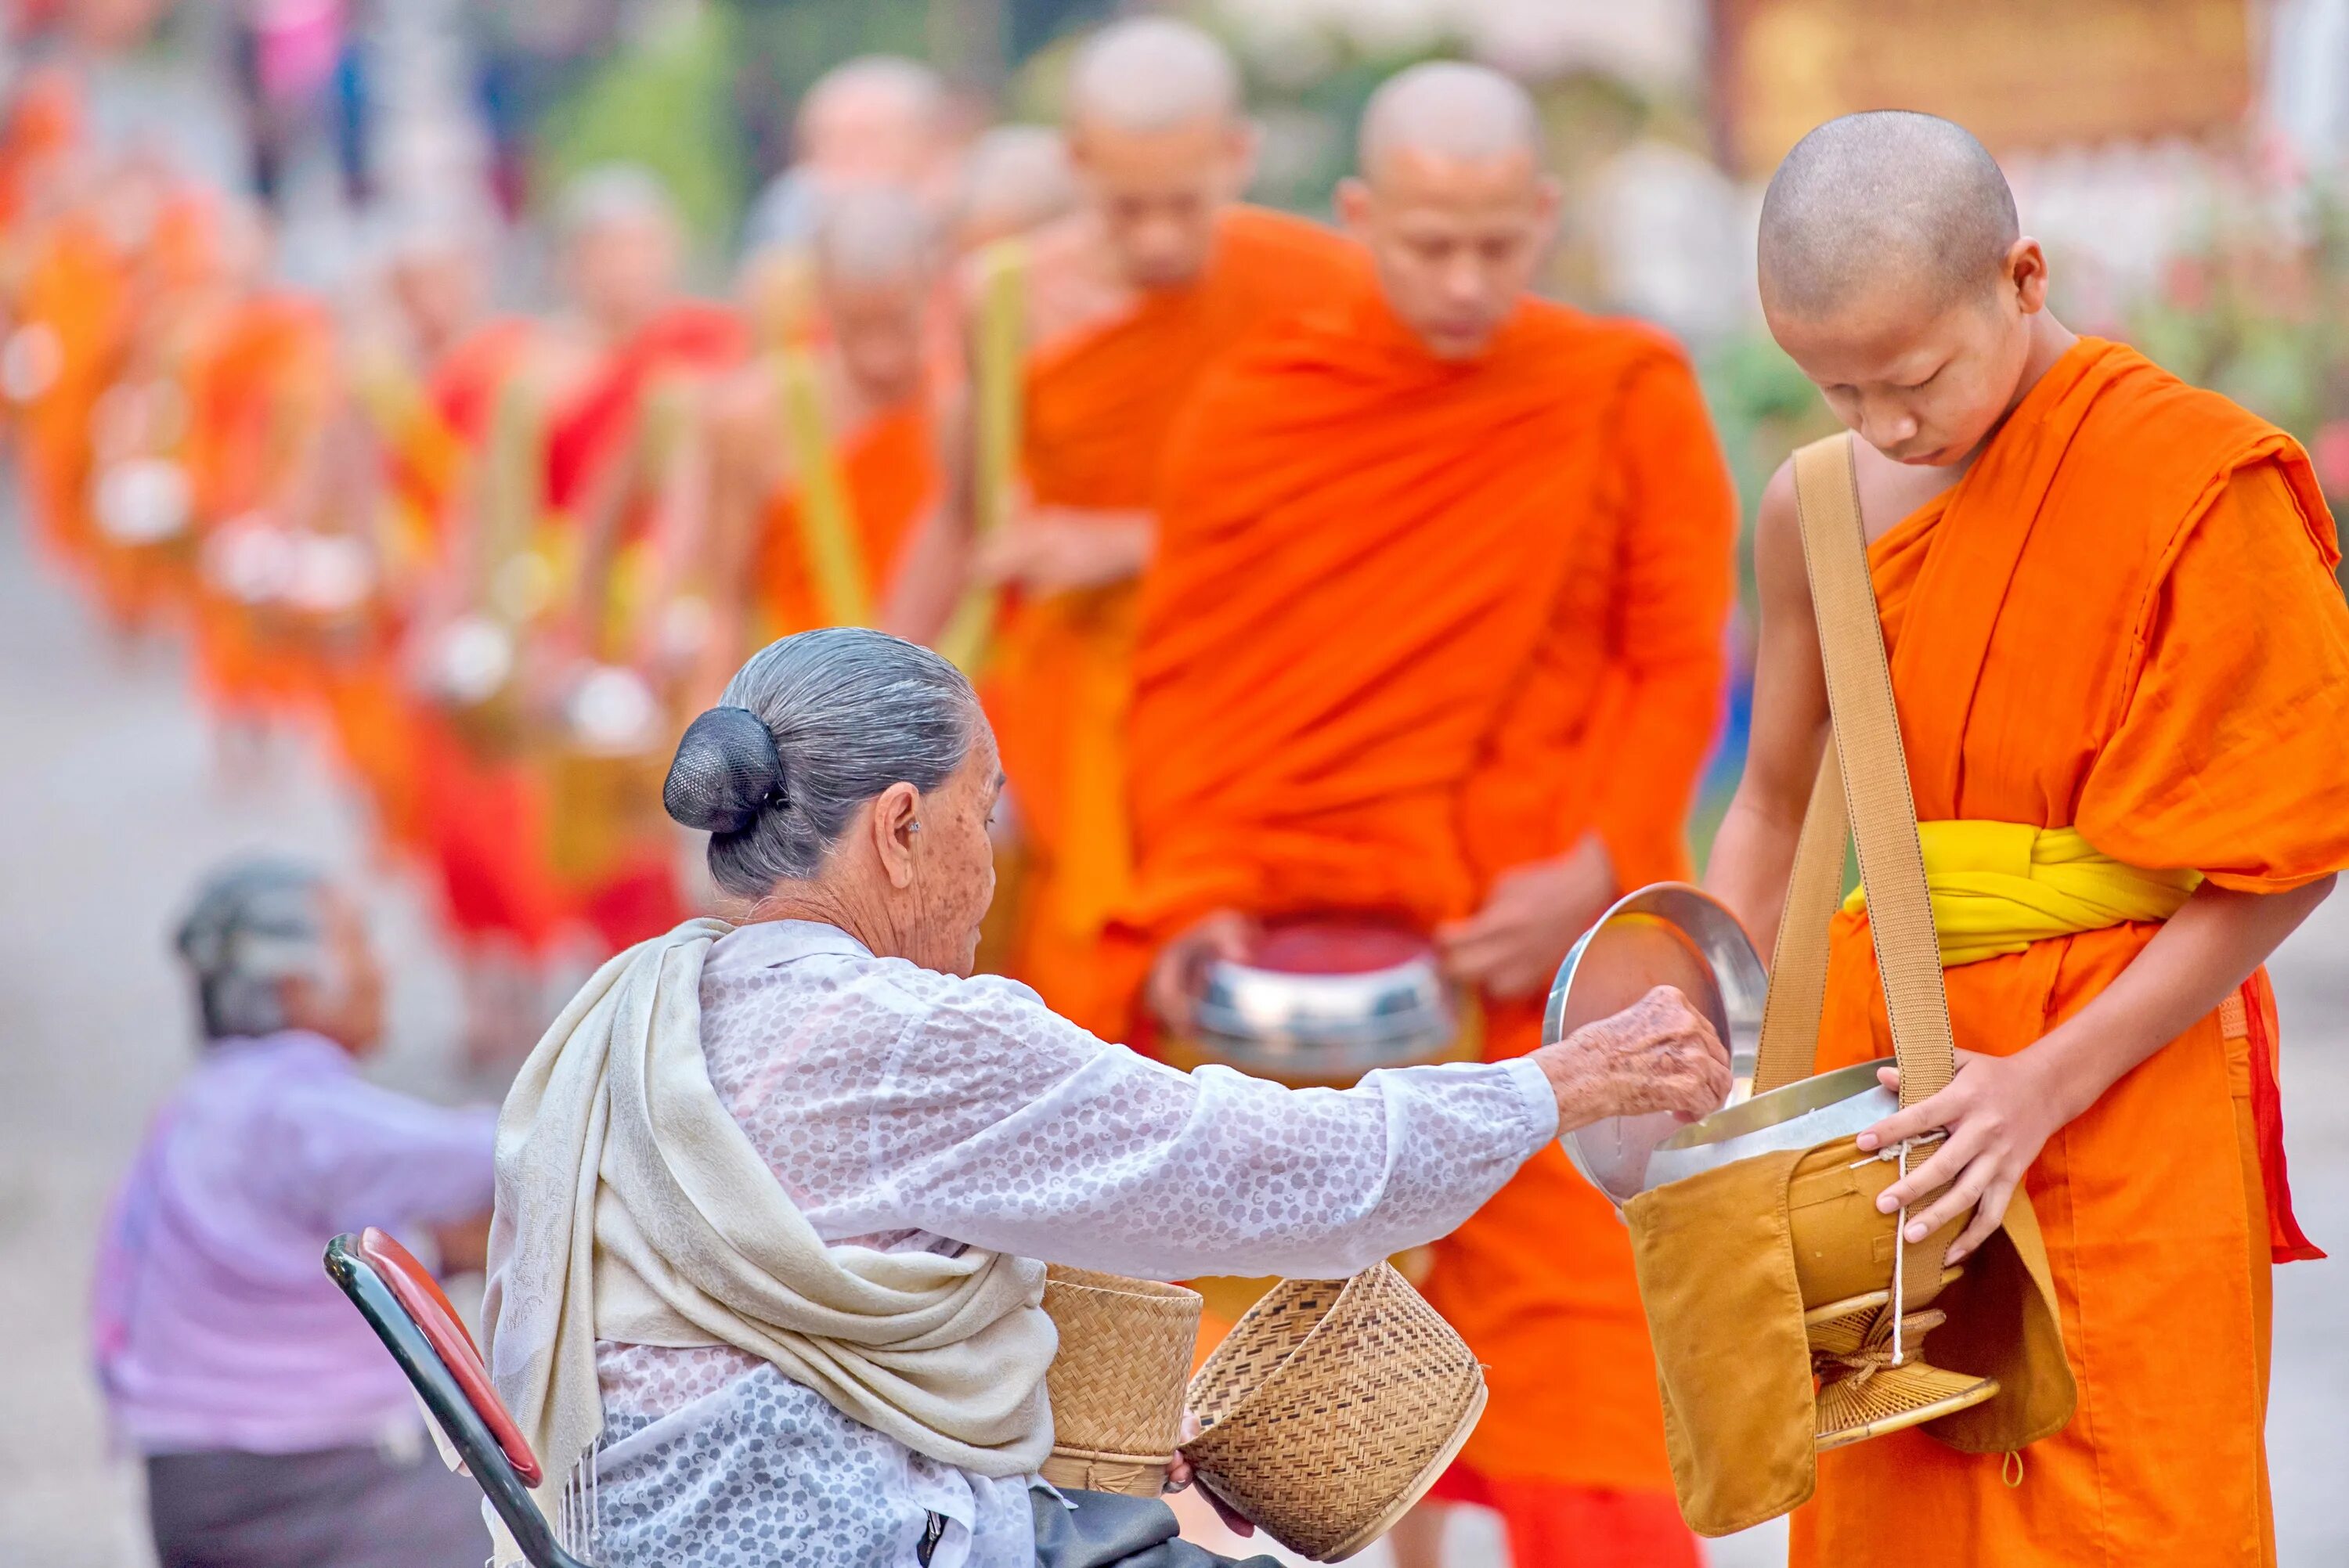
x,y
273,945
1451,201
1014,179
847,776
622,246
1159,144
1895,272
876,119
436,269
876,255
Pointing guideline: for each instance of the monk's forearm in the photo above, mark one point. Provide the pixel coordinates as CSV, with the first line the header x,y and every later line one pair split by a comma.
x,y
923,590
1752,860
2201,955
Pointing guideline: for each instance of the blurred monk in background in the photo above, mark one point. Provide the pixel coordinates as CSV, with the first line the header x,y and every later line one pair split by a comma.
x,y
616,445
1434,636
823,453
876,119
2122,670
1086,339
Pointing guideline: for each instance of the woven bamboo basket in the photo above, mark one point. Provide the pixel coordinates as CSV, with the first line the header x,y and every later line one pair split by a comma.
x,y
1117,1384
1331,1408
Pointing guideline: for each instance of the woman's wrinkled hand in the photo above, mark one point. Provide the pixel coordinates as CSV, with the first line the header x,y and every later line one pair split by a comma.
x,y
1659,1054
2000,1112
1179,1476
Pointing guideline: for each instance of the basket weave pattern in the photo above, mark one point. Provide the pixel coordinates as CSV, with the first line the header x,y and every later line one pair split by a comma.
x,y
1117,1384
1331,1408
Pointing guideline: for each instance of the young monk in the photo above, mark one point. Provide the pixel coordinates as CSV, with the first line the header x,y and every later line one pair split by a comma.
x,y
1433,635
2122,668
822,457
1115,312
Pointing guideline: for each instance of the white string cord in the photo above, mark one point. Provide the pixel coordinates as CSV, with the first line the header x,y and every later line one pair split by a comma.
x,y
1900,1247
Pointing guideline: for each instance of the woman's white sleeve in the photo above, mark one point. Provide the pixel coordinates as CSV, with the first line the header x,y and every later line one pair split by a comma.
x,y
1006,1127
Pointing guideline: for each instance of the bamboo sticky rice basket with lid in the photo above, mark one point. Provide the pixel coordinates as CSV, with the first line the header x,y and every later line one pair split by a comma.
x,y
1116,1384
1331,1408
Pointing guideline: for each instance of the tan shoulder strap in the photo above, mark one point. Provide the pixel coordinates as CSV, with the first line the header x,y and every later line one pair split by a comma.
x,y
1874,796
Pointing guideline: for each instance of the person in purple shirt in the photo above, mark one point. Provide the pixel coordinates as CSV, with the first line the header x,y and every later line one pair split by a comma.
x,y
276,1431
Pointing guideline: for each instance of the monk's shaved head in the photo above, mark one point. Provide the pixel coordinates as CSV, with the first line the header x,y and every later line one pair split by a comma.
x,y
874,84
1151,73
1014,178
1889,197
872,234
1448,111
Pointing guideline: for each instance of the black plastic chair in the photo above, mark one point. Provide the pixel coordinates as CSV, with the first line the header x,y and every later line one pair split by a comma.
x,y
404,1304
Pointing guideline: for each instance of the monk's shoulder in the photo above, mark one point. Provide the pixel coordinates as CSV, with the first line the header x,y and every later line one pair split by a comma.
x,y
1283,252
1578,346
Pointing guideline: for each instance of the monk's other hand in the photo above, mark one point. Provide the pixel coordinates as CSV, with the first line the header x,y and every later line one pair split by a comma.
x,y
1659,1054
2000,1112
1181,964
1057,549
1513,946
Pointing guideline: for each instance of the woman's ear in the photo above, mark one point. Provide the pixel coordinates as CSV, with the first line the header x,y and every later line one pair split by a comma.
x,y
895,823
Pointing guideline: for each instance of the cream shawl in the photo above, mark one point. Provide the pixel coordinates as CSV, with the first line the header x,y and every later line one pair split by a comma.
x,y
631,1206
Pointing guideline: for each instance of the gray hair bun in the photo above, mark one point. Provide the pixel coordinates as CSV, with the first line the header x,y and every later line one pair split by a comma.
x,y
726,771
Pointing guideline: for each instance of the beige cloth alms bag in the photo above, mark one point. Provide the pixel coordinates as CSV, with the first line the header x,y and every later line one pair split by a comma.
x,y
1786,1314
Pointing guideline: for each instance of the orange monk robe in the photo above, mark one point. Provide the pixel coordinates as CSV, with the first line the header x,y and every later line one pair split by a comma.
x,y
1097,406
624,884
2121,620
889,467
77,286
1412,623
259,394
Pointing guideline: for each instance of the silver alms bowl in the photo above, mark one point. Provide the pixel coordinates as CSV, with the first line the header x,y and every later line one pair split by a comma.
x,y
1672,935
1326,1001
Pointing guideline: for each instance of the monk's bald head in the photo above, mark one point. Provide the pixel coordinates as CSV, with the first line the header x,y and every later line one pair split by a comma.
x,y
872,235
1887,200
877,118
1149,75
1452,202
1893,272
1451,112
1158,145
1014,178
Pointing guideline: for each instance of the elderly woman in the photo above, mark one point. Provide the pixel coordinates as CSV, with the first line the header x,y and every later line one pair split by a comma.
x,y
275,1431
773,1199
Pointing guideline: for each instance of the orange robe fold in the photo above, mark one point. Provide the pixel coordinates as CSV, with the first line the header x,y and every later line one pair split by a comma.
x,y
2121,620
1096,410
1412,623
889,467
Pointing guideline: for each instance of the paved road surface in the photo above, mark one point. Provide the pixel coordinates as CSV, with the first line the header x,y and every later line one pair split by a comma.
x,y
106,813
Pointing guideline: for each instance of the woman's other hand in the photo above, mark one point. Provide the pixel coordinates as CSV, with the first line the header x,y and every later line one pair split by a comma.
x,y
1179,1477
1659,1054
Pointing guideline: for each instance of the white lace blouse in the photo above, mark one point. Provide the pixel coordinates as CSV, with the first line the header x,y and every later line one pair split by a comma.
x,y
902,1108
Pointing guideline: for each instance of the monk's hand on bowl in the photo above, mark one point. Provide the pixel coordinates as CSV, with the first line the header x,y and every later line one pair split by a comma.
x,y
1513,946
1182,964
1659,1054
1999,1111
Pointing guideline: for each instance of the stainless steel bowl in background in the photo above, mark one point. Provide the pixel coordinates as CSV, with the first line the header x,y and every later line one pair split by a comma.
x,y
1325,1003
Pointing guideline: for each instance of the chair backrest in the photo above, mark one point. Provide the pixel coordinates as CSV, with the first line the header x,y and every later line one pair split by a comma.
x,y
405,1307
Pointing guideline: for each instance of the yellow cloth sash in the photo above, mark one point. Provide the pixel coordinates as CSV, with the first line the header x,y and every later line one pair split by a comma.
x,y
1998,887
